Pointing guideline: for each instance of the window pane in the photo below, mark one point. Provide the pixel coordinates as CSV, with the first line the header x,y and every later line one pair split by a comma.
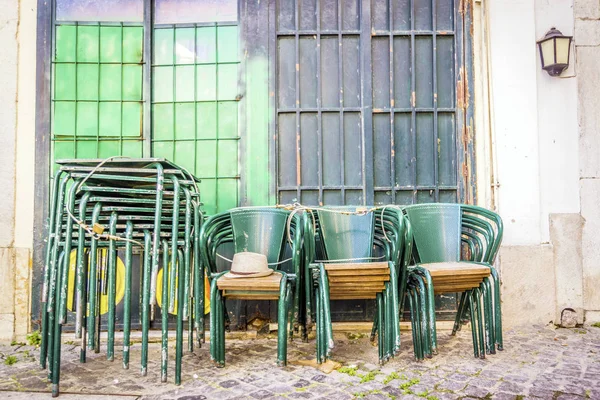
x,y
186,11
100,11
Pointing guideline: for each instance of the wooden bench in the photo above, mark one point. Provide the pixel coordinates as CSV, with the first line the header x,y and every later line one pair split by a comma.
x,y
261,288
350,281
449,277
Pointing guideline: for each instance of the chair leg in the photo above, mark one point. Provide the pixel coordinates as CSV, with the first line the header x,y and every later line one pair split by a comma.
x,y
282,311
430,296
417,324
380,341
180,312
221,315
319,326
497,309
427,319
477,295
395,310
459,313
374,328
326,310
488,317
473,325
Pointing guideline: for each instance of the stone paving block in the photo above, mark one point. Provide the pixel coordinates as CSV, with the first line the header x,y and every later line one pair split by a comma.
x,y
550,370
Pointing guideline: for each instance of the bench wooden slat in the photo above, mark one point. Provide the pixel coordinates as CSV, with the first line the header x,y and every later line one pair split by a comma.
x,y
270,282
456,279
356,266
353,272
353,285
359,279
456,268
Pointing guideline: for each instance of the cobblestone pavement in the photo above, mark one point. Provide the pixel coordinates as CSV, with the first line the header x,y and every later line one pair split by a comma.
x,y
538,362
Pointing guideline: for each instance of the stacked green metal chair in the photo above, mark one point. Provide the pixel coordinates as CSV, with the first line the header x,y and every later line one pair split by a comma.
x,y
147,206
346,248
274,232
456,245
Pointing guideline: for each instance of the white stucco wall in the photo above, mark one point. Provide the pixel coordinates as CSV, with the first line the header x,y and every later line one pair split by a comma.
x,y
513,82
535,120
557,121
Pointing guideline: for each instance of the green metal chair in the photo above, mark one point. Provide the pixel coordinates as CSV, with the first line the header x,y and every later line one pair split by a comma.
x,y
261,230
441,233
362,255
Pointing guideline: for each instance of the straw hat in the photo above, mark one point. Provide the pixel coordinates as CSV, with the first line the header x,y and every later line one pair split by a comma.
x,y
249,265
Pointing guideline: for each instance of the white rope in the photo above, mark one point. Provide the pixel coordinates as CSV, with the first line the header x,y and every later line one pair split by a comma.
x,y
86,227
276,263
93,171
350,259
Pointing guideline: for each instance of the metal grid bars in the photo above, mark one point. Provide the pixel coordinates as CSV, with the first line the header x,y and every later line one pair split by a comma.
x,y
367,101
195,105
97,105
319,141
414,101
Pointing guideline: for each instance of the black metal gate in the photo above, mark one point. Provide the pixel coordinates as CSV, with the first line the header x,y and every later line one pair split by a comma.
x,y
372,105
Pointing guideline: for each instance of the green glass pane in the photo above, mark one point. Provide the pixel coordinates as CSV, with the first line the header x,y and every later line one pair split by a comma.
x,y
87,119
86,149
163,84
208,195
110,43
64,118
65,43
228,158
110,82
185,121
110,119
206,82
132,119
206,115
64,82
87,82
87,43
184,83
163,46
206,159
162,121
185,53
227,43
227,79
109,148
64,150
227,194
206,44
132,82
162,149
184,155
132,148
228,119
133,37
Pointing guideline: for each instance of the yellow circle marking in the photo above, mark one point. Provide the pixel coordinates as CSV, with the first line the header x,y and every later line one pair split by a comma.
x,y
120,281
159,285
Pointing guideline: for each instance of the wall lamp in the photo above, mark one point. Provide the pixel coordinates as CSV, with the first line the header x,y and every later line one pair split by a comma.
x,y
555,51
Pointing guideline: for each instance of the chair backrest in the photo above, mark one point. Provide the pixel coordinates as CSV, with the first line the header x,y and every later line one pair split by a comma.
x,y
436,230
260,230
346,236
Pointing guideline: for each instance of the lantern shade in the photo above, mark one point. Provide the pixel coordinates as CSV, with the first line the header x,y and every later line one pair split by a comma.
x,y
555,49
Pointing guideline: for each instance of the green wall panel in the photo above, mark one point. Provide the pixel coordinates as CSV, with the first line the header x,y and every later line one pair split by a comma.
x,y
97,91
195,107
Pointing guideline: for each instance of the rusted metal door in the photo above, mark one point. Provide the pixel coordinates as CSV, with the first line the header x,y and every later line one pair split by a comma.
x,y
370,105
